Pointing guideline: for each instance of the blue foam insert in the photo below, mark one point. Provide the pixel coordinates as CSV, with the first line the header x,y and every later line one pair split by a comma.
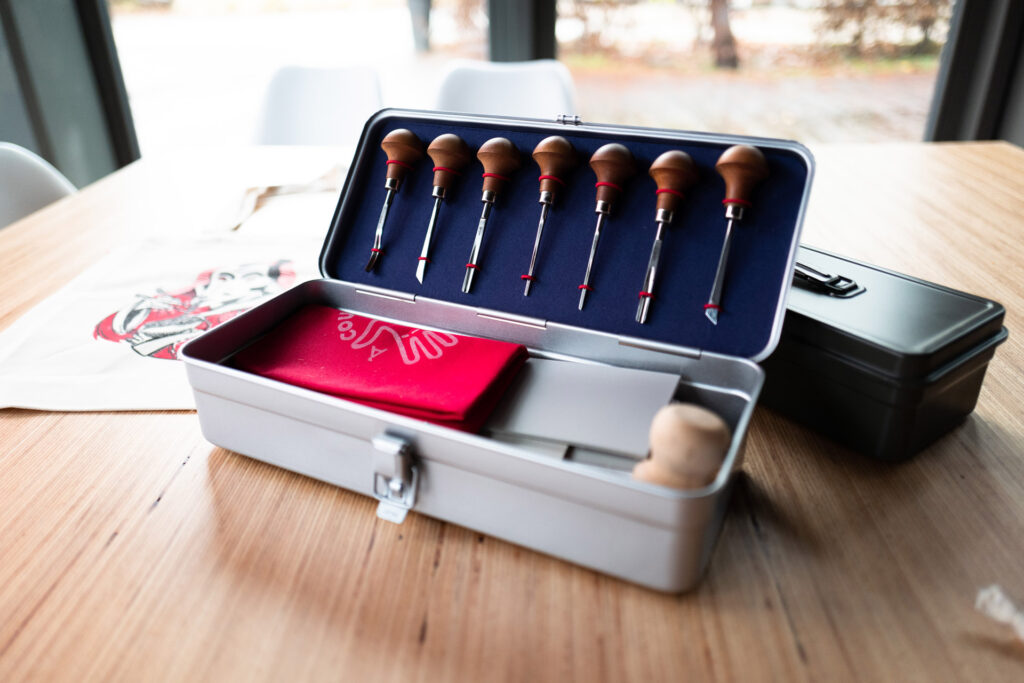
x,y
757,273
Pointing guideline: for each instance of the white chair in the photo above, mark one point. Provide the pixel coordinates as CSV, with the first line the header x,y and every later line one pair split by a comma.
x,y
318,106
27,183
538,89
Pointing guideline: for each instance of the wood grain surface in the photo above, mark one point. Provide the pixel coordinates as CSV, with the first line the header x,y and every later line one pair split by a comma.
x,y
131,549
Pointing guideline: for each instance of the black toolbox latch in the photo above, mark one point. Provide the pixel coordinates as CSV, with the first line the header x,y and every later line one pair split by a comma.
x,y
834,285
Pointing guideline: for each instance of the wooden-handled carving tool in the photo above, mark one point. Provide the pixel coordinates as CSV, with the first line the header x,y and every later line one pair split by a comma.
x,y
500,159
403,149
450,155
556,157
674,172
688,446
743,168
613,165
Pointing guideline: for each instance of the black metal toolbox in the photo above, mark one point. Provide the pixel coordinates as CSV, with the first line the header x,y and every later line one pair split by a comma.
x,y
580,504
883,363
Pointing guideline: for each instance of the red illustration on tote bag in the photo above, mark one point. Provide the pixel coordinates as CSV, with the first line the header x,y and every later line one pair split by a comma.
x,y
157,325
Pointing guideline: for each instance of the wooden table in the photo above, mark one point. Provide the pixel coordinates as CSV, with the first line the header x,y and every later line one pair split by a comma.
x,y
132,549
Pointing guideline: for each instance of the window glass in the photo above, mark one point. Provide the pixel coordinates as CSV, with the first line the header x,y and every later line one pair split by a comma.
x,y
811,70
58,66
14,121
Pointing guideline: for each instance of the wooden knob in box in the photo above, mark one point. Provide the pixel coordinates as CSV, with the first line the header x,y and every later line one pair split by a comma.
x,y
688,446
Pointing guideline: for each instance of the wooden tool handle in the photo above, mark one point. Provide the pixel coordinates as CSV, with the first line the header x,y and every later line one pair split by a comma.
x,y
556,157
450,155
743,167
613,165
404,149
688,446
675,173
500,159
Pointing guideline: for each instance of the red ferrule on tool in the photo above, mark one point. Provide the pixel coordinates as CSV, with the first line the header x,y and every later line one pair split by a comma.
x,y
607,184
741,202
445,168
381,251
527,277
714,306
423,258
586,287
648,295
496,175
472,265
671,191
552,177
400,163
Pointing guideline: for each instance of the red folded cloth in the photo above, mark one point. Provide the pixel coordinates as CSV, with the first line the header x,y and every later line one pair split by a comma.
x,y
443,378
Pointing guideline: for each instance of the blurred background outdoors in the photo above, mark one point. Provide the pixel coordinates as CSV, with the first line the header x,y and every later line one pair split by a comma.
x,y
810,70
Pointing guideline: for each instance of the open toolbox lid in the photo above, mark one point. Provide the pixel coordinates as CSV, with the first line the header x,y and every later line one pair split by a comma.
x,y
760,260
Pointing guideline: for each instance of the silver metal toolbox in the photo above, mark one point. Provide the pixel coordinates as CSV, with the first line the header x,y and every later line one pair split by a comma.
x,y
576,504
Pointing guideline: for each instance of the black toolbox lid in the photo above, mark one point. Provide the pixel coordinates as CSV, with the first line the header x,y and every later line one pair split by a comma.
x,y
898,326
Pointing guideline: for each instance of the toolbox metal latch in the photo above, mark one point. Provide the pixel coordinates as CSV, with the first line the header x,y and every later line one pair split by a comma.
x,y
833,285
568,119
395,477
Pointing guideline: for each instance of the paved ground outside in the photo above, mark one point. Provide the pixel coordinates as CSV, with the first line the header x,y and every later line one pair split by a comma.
x,y
807,108
196,73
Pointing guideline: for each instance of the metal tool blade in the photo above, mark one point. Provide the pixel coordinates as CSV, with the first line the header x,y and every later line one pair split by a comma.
x,y
375,252
421,266
590,261
712,307
644,306
467,281
536,247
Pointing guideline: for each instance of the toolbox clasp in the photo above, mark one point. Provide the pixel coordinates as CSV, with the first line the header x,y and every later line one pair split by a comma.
x,y
395,477
833,285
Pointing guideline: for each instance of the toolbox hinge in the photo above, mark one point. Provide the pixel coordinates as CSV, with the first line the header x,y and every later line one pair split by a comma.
x,y
501,316
568,119
386,293
648,345
395,477
834,285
